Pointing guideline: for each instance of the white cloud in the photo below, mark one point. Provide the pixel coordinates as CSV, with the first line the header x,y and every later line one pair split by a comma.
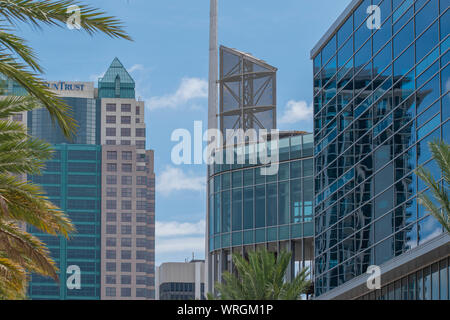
x,y
185,245
296,111
136,67
173,229
189,89
95,77
174,179
180,237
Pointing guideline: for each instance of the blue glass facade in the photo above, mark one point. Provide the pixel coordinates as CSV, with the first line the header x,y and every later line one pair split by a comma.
x,y
248,208
379,97
84,111
72,181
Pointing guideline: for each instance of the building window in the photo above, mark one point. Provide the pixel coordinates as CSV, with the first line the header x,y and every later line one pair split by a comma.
x,y
110,280
110,142
138,120
125,267
141,217
111,167
111,266
141,193
126,205
126,217
141,243
140,168
141,205
111,180
111,192
127,193
111,229
110,132
110,292
126,254
111,242
110,107
141,267
125,120
140,230
110,254
125,132
111,119
125,292
140,132
126,167
125,229
125,279
141,255
111,204
125,242
127,155
111,217
127,180
140,144
125,143
138,110
111,155
126,107
141,180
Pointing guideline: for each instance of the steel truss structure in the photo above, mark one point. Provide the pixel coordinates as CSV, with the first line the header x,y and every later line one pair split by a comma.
x,y
247,92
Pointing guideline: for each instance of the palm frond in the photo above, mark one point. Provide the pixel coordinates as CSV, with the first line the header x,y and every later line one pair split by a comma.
x,y
12,279
25,202
26,250
55,13
441,154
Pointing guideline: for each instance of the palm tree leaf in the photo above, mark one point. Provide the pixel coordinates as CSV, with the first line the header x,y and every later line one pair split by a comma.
x,y
10,105
56,13
12,279
23,201
37,88
26,250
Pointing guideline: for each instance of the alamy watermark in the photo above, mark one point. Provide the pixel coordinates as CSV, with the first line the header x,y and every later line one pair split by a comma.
x,y
374,19
74,20
74,280
236,147
374,280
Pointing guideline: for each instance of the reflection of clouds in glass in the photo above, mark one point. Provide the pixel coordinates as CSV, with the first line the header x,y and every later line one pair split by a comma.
x,y
430,228
447,85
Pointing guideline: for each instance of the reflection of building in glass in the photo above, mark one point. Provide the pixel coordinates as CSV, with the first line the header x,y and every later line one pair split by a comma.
x,y
181,281
377,103
248,210
247,92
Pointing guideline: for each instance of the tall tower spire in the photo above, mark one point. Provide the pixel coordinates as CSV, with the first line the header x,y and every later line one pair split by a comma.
x,y
213,68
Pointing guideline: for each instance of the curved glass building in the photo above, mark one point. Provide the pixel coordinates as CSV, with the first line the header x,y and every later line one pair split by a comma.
x,y
248,210
380,96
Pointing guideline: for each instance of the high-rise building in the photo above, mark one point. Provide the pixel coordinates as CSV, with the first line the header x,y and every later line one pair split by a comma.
x,y
181,281
104,180
380,96
248,210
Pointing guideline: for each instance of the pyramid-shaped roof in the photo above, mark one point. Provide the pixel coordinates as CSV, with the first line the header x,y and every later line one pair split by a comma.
x,y
116,69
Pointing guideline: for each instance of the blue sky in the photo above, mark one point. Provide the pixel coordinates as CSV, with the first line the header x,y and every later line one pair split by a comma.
x,y
169,62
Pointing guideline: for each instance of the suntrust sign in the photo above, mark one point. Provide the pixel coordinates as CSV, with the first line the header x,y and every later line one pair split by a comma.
x,y
72,88
65,86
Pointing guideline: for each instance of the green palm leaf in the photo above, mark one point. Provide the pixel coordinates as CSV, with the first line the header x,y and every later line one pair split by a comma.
x,y
441,154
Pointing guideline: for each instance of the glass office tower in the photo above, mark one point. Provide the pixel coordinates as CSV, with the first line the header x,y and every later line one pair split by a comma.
x,y
248,210
380,95
72,181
